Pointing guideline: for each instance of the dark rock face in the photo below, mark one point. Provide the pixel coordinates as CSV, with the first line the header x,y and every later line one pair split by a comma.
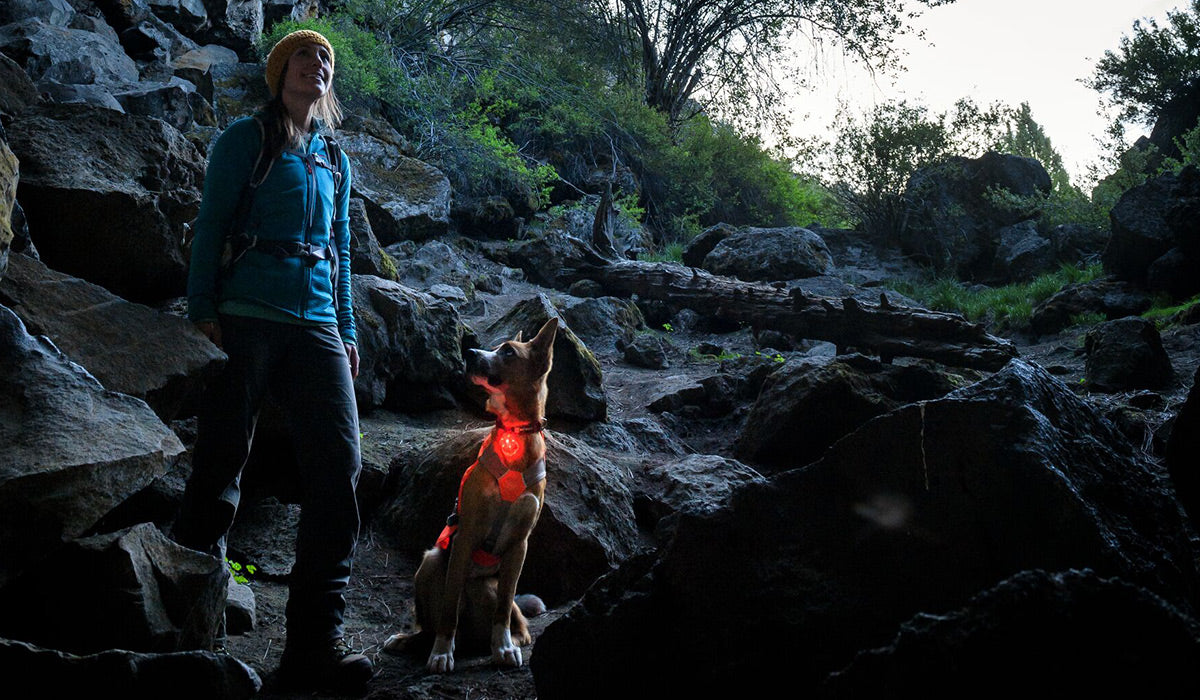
x,y
16,90
1183,453
160,597
409,345
1155,242
755,254
694,483
586,527
491,218
953,223
1077,243
808,405
1113,298
917,510
1071,632
644,350
432,263
366,257
1022,253
65,55
406,199
576,382
72,450
118,221
208,675
1126,354
130,348
599,321
700,246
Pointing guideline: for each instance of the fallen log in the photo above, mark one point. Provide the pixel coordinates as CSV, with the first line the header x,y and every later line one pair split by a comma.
x,y
884,329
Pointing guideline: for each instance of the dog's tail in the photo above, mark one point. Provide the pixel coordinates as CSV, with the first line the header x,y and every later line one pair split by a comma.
x,y
530,605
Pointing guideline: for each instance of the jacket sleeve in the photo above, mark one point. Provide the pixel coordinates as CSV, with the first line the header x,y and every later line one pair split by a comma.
x,y
229,169
341,233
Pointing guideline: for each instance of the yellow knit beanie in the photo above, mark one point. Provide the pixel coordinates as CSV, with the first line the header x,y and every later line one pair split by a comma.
x,y
284,49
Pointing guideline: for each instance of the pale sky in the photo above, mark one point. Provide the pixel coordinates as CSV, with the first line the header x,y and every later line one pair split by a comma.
x,y
997,50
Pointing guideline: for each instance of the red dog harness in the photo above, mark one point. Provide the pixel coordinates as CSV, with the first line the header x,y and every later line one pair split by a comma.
x,y
512,482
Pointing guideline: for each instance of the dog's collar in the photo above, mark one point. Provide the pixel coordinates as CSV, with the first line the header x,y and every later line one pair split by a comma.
x,y
536,426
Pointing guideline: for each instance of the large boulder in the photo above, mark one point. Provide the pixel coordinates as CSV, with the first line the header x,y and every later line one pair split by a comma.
x,y
836,393
916,511
16,89
1073,633
699,247
1183,452
118,221
366,257
1109,297
603,322
1126,354
953,219
431,263
693,483
576,382
586,527
130,348
769,254
410,345
72,449
142,592
1145,248
187,16
234,23
1022,253
66,55
54,12
406,199
196,67
188,675
175,101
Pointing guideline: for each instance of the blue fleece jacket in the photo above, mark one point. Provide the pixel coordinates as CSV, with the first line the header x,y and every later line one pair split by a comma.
x,y
297,202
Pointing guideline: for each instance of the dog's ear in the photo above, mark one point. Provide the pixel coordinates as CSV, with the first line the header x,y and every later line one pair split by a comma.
x,y
544,340
517,338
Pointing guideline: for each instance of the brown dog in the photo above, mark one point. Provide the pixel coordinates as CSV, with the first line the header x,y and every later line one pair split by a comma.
x,y
465,585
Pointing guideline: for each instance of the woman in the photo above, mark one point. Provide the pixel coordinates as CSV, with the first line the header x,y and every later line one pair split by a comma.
x,y
275,312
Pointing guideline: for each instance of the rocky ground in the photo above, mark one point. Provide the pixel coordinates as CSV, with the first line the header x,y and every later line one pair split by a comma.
x,y
380,597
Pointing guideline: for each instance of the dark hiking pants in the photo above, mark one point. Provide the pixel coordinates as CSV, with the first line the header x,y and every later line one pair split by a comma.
x,y
305,369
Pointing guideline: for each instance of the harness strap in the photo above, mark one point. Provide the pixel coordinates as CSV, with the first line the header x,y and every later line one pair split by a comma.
x,y
512,484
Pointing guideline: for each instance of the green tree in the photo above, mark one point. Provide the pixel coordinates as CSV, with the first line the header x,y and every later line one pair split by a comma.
x,y
726,49
1023,136
1153,66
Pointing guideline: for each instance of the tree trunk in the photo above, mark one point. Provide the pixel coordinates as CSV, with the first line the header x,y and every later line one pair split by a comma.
x,y
884,329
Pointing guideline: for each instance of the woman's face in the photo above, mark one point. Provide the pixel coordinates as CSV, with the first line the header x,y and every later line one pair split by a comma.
x,y
309,72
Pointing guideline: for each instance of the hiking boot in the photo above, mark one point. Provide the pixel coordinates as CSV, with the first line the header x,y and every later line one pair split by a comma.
x,y
333,666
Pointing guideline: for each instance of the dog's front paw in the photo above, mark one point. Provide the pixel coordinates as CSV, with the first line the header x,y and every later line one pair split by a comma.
x,y
504,652
441,659
398,643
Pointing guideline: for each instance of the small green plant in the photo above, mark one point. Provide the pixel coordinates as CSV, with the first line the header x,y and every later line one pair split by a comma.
x,y
241,572
706,357
668,328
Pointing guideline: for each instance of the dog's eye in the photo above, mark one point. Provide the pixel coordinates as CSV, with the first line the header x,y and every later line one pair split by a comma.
x,y
507,351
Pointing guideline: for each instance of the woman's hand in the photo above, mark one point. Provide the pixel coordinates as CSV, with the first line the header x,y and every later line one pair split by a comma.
x,y
352,356
211,330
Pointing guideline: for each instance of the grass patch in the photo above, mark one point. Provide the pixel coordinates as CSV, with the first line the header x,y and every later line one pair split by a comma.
x,y
1164,316
1007,306
671,252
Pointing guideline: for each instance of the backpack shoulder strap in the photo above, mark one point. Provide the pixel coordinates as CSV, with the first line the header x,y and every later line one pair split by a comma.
x,y
262,164
334,152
